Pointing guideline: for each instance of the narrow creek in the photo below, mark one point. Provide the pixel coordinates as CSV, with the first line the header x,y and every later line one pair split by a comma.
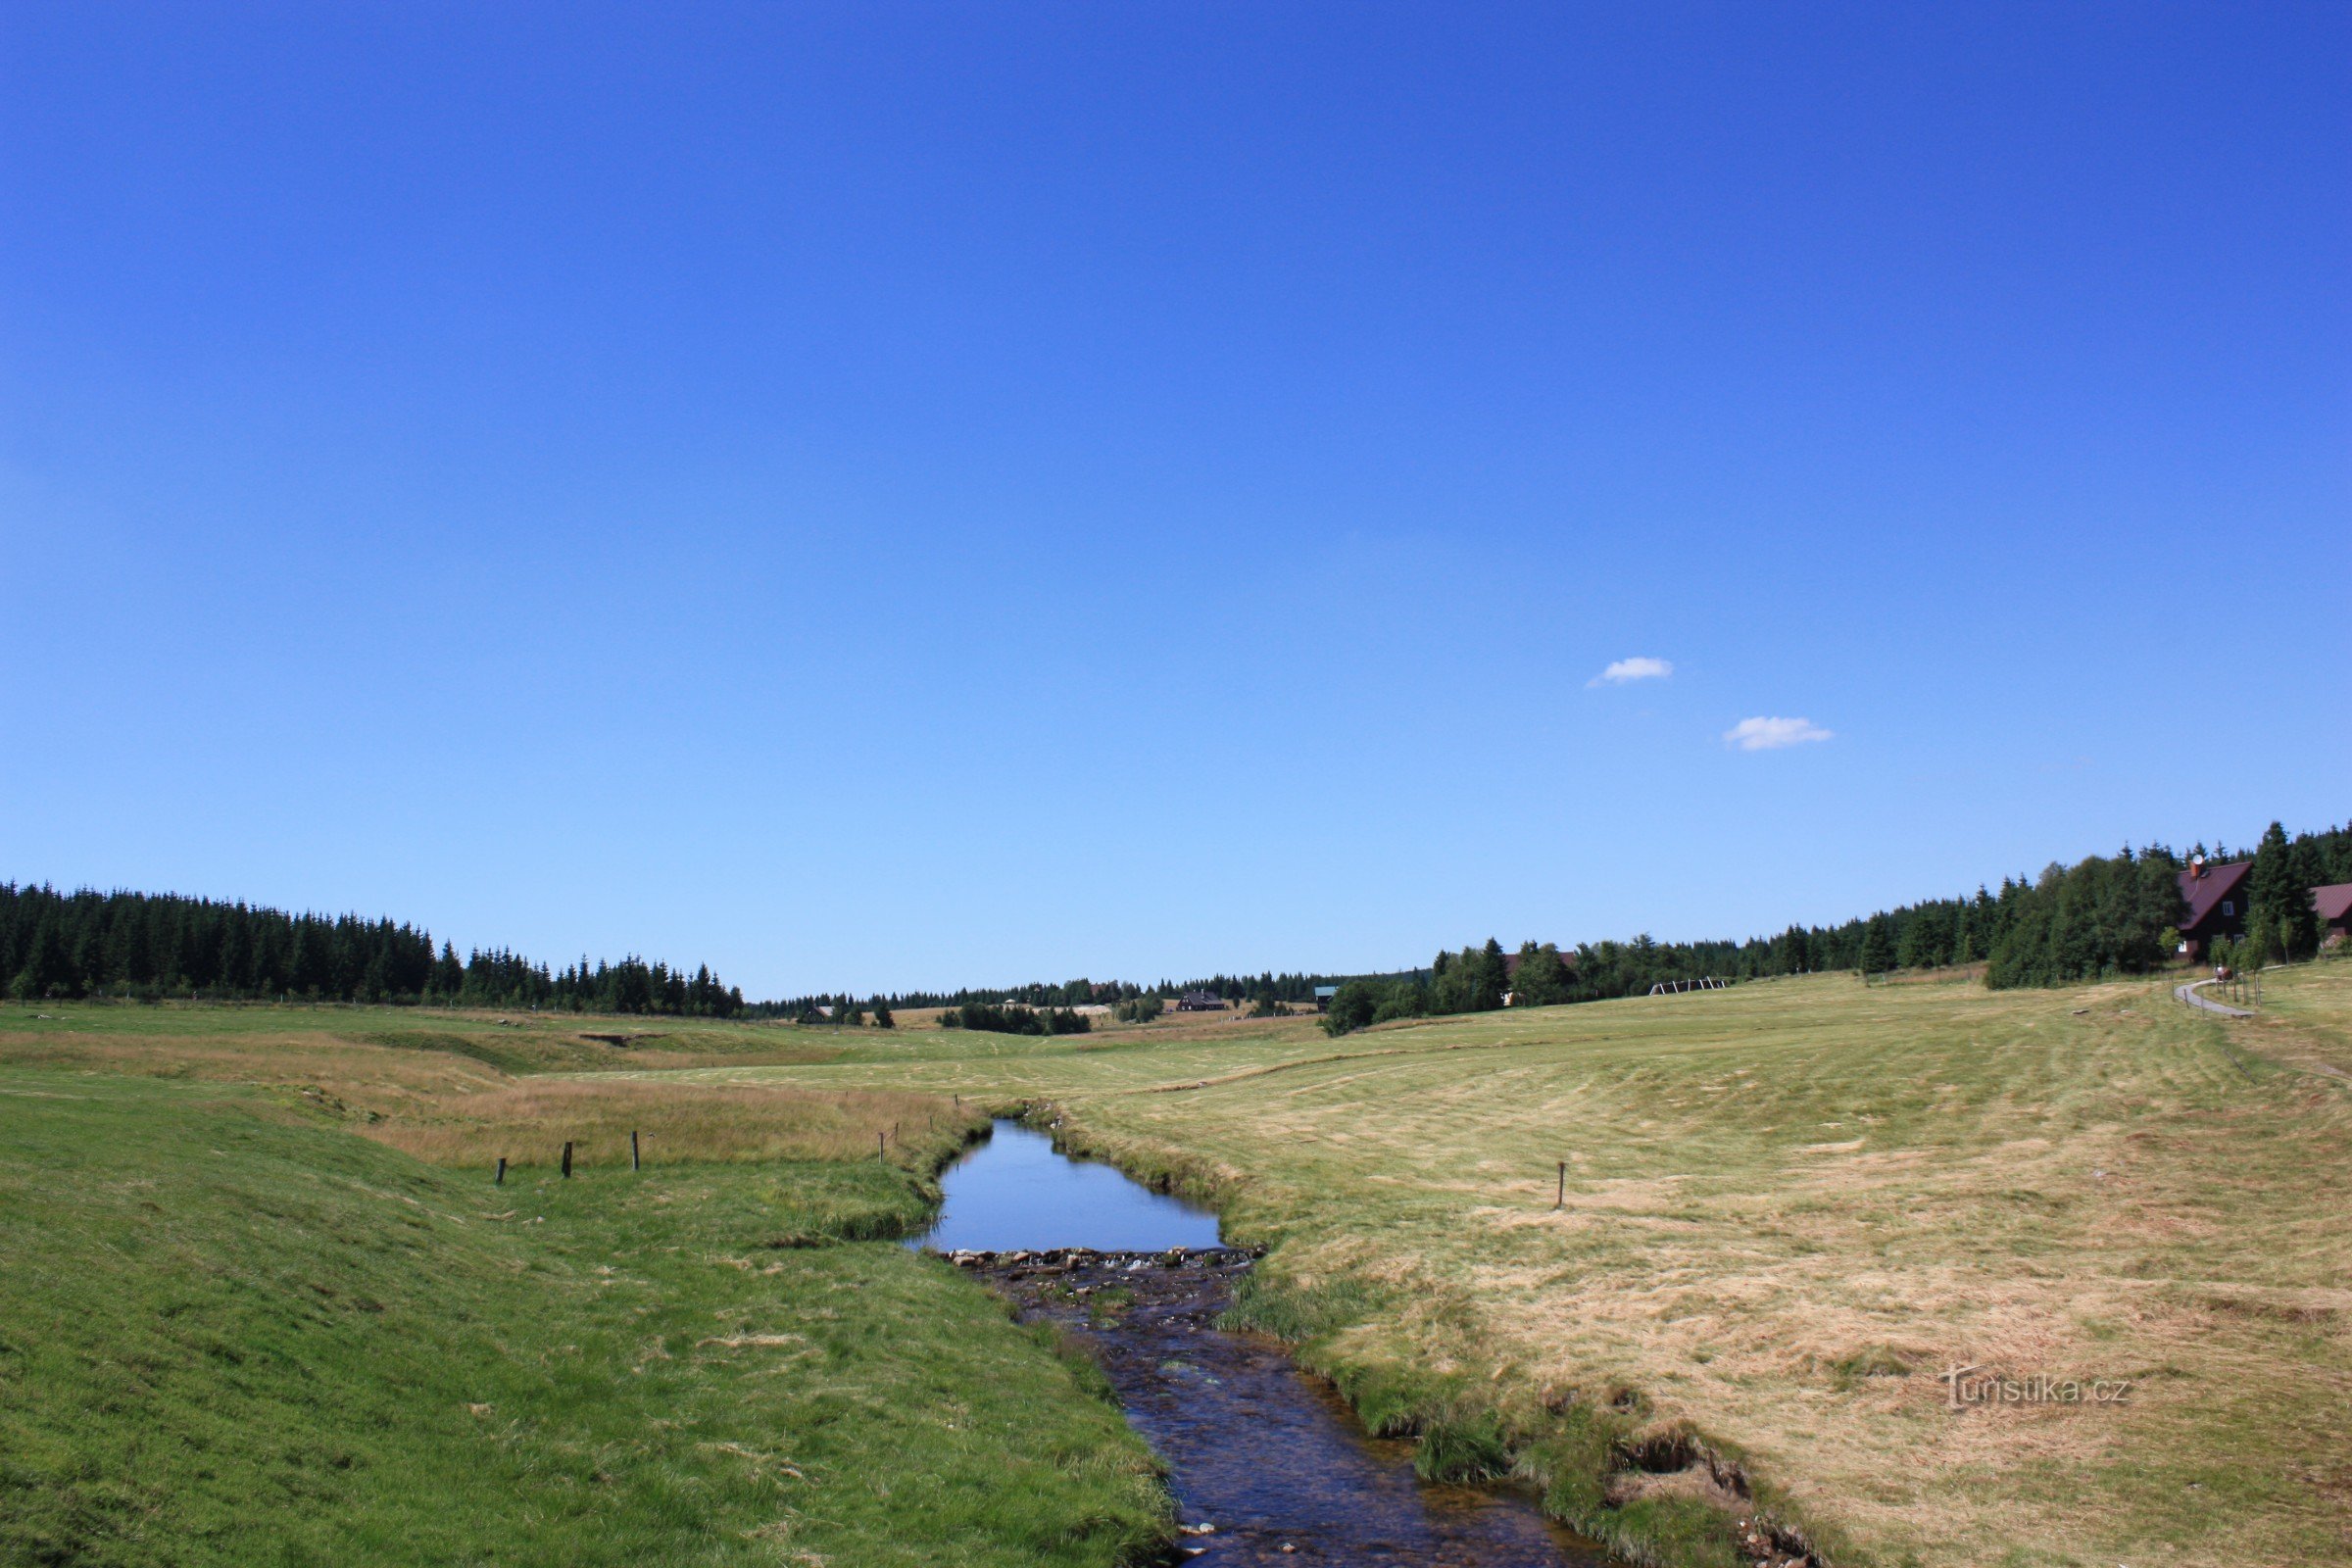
x,y
1264,1455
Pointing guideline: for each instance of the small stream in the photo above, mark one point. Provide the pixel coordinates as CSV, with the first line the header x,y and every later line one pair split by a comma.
x,y
1268,1456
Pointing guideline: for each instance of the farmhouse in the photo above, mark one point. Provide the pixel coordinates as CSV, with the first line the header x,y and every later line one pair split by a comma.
x,y
2215,896
1323,996
1199,1001
2335,903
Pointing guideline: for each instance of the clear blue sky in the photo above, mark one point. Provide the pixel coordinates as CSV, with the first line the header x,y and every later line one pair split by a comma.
x,y
881,496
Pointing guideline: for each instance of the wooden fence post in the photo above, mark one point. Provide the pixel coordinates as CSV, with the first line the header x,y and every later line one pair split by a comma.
x,y
881,1148
568,1159
633,1162
1561,1201
500,1179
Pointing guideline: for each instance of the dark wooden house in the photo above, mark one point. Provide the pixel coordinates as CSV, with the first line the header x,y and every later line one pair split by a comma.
x,y
2215,896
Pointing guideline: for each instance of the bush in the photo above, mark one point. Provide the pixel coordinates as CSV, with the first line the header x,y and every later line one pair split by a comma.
x,y
1138,1010
1353,1008
1361,1004
1012,1020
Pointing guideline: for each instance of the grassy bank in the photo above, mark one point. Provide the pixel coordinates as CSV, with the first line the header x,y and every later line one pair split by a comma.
x,y
231,1331
1788,1208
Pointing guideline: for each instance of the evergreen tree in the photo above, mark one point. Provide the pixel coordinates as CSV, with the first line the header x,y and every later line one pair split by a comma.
x,y
1878,947
48,970
449,975
2278,896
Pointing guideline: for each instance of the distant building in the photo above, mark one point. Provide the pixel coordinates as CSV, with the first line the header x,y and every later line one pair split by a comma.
x,y
1199,1001
1323,996
2215,896
2335,903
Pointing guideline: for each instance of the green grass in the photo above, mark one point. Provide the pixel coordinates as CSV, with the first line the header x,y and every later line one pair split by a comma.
x,y
232,1331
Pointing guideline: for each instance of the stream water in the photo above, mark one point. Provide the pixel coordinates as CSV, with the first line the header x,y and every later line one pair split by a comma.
x,y
1266,1456
1018,1191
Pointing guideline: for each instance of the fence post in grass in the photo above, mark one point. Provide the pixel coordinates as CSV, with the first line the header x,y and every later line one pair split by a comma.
x,y
500,1179
1561,1201
633,1161
568,1159
881,1145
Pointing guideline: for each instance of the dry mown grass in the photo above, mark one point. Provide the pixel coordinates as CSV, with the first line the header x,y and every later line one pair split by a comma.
x,y
527,1123
458,1088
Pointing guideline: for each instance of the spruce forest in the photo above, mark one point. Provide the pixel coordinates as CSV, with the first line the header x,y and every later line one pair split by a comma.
x,y
146,947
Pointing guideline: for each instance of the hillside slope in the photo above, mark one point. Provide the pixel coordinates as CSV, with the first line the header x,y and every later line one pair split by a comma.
x,y
230,1333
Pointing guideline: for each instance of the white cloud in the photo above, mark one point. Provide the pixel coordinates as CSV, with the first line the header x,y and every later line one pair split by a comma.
x,y
1632,670
1771,734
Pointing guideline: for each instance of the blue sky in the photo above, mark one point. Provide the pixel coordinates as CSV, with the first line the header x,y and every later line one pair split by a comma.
x,y
880,496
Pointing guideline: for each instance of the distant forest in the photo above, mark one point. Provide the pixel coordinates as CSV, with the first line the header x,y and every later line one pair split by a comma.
x,y
145,945
2102,915
1048,995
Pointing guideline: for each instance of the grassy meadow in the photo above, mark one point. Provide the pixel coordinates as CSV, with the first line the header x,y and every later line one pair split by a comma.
x,y
242,1321
1789,1207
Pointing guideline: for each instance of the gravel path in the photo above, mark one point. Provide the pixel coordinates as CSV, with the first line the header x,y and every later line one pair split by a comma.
x,y
2188,993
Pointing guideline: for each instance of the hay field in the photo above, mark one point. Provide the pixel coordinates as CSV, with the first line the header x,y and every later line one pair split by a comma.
x,y
526,1123
466,1089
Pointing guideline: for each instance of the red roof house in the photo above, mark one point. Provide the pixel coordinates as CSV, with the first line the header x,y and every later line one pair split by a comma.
x,y
2215,896
2335,903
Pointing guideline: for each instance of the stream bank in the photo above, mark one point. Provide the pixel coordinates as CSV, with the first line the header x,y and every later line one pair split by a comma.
x,y
1650,1491
1265,1463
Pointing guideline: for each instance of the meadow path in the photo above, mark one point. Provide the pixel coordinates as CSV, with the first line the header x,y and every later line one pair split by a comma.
x,y
2188,993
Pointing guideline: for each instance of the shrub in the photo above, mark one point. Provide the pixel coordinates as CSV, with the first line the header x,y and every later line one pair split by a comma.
x,y
1012,1020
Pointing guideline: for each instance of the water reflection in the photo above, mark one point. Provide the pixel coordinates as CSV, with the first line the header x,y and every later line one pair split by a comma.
x,y
1014,1191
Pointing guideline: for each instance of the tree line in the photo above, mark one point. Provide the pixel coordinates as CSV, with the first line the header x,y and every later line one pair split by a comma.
x,y
2102,915
150,946
1015,1021
1238,988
